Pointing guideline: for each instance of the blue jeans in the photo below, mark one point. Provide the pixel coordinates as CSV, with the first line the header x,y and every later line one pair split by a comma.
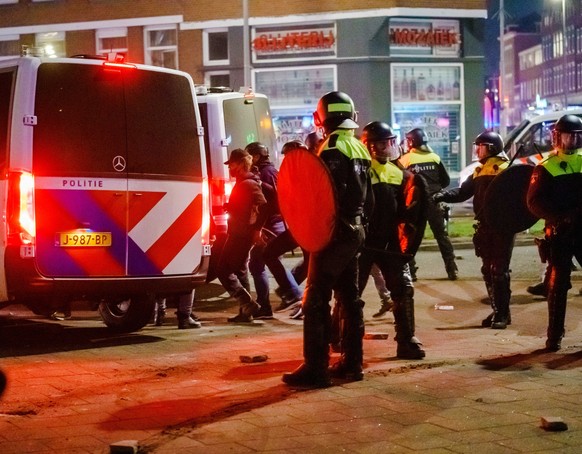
x,y
257,266
272,257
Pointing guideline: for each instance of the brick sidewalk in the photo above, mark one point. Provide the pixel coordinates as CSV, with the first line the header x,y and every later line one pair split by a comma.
x,y
76,388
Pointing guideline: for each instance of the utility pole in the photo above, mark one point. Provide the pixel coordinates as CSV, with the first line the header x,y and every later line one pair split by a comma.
x,y
246,45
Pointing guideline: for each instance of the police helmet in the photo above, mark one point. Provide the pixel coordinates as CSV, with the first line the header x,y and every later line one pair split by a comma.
x,y
487,144
416,138
571,125
293,145
257,149
377,130
335,110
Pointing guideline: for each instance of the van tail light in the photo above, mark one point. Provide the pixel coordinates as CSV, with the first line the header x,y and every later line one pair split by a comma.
x,y
20,209
205,229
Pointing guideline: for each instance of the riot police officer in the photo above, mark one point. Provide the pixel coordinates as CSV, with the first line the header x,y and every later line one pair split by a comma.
x,y
335,267
382,240
555,194
492,245
422,160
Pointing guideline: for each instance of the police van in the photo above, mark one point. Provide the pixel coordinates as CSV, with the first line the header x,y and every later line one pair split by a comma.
x,y
104,190
531,140
231,120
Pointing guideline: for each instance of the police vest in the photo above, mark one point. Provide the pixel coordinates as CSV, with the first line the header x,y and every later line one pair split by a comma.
x,y
386,173
563,164
492,167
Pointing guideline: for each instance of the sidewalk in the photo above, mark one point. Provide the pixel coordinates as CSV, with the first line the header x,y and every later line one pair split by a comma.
x,y
477,391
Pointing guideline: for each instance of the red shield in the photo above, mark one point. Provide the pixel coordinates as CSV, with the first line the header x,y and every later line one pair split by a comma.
x,y
411,229
307,199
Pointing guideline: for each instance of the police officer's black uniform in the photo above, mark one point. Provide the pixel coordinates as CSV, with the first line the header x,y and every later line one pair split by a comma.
x,y
383,240
422,160
555,194
493,246
335,268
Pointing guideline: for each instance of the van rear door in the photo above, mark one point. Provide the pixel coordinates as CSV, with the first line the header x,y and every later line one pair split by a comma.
x,y
117,171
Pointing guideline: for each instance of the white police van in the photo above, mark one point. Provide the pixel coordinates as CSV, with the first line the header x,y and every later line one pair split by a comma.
x,y
531,140
230,120
103,190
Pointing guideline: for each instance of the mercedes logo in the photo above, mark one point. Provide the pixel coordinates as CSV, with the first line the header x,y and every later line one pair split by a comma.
x,y
119,163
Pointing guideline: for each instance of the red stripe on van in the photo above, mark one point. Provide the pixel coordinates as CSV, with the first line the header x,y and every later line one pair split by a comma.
x,y
163,251
140,205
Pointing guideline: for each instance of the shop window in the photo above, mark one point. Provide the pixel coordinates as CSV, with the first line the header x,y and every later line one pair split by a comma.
x,y
162,46
9,46
215,47
111,40
293,93
217,79
53,44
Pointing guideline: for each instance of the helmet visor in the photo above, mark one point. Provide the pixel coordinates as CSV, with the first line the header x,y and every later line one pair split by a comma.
x,y
567,141
385,150
481,150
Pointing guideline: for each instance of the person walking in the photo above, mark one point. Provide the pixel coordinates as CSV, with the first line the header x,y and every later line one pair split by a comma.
x,y
382,247
245,222
555,195
273,227
335,267
288,286
422,160
493,246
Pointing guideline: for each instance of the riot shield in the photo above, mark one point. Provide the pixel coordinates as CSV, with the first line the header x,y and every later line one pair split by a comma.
x,y
505,203
411,230
307,199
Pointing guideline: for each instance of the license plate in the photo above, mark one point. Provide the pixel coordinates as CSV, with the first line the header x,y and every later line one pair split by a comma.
x,y
83,239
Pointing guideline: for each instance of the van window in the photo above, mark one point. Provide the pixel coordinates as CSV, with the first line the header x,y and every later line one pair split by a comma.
x,y
161,125
537,139
86,116
6,91
248,122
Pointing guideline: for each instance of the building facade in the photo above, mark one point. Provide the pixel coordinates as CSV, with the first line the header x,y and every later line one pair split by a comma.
x,y
418,65
544,70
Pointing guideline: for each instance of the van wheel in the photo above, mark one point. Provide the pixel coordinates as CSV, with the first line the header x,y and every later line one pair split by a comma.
x,y
127,314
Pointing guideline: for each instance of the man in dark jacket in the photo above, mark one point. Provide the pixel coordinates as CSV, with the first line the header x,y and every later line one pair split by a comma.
x,y
272,228
422,160
244,230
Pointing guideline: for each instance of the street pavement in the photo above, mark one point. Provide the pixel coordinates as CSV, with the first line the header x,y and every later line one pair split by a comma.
x,y
76,388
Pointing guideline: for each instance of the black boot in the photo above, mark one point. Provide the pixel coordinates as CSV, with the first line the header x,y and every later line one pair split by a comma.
x,y
452,270
501,295
313,372
556,319
350,365
409,347
185,321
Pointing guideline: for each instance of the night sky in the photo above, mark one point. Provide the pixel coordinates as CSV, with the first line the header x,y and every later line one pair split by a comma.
x,y
515,10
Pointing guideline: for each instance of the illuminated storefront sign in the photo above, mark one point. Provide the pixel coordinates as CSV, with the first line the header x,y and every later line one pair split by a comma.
x,y
424,37
293,42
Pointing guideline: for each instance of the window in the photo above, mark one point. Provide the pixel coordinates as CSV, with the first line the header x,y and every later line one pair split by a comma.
x,y
215,47
6,2
9,46
6,91
53,43
162,46
217,79
111,40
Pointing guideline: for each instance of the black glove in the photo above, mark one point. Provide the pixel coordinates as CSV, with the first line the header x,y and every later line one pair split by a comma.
x,y
438,197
